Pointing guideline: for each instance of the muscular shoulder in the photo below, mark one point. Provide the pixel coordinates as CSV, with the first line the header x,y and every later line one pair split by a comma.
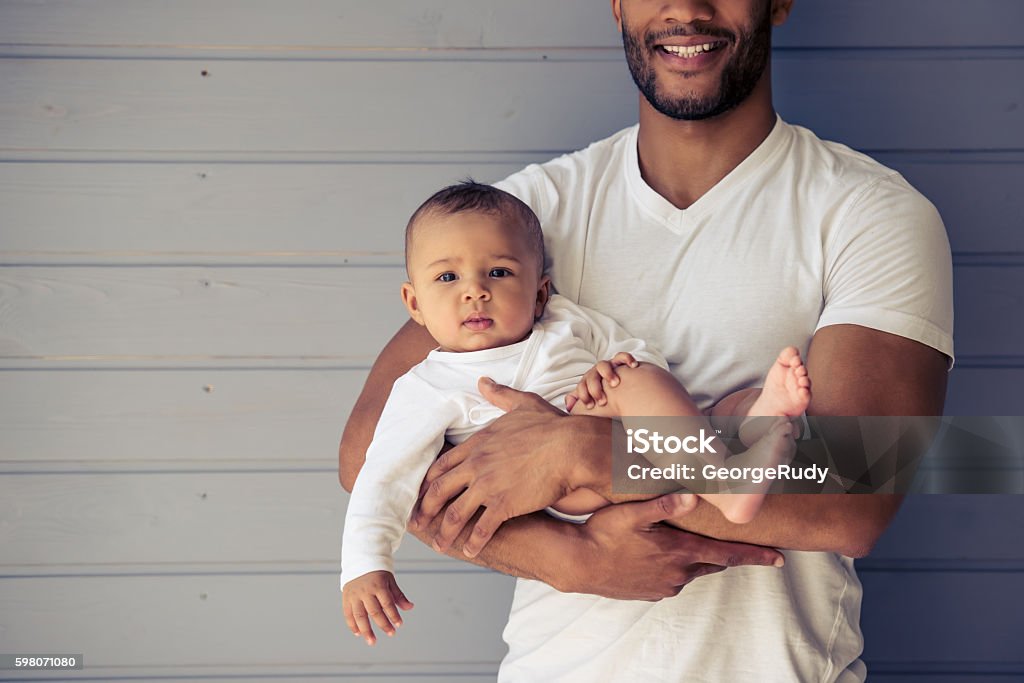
x,y
850,195
886,257
845,175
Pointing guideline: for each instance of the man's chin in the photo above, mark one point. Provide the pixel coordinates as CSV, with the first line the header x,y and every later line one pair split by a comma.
x,y
689,109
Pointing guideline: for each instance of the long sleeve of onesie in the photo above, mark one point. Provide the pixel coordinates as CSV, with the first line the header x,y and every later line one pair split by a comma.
x,y
408,437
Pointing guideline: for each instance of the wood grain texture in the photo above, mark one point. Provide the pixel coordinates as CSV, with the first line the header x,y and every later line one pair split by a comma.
x,y
341,315
187,213
241,418
483,672
945,618
205,419
321,24
135,523
985,391
351,213
161,105
973,672
240,521
288,620
173,388
213,620
941,529
165,106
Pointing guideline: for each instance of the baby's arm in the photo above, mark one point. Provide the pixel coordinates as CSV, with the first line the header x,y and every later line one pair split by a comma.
x,y
375,596
408,437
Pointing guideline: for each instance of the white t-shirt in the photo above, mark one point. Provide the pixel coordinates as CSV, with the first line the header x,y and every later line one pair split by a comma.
x,y
801,235
438,399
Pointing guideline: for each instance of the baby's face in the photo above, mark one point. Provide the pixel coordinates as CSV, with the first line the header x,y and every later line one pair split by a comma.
x,y
475,284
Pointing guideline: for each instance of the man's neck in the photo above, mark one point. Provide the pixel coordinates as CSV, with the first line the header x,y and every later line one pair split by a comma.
x,y
681,160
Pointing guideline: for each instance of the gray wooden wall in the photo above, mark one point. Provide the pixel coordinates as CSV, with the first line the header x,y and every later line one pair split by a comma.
x,y
201,206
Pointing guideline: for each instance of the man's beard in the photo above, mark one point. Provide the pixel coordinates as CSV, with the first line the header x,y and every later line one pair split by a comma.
x,y
739,76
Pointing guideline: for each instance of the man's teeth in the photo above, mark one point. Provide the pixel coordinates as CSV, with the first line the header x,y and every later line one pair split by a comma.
x,y
688,50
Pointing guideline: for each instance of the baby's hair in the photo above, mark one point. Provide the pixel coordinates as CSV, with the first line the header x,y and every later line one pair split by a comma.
x,y
470,195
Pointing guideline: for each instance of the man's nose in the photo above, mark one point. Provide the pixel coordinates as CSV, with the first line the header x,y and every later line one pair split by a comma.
x,y
687,11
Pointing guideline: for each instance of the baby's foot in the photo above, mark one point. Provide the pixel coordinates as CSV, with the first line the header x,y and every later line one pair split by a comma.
x,y
738,508
775,448
787,388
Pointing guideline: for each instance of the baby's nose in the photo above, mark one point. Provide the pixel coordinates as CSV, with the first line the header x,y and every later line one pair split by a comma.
x,y
474,290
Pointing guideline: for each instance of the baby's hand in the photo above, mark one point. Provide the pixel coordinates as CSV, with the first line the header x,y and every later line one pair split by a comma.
x,y
590,391
373,595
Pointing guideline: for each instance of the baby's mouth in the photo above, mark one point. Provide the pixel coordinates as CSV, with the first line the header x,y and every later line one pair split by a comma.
x,y
478,322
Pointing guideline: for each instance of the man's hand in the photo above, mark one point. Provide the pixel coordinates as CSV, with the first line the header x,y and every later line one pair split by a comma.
x,y
625,552
517,465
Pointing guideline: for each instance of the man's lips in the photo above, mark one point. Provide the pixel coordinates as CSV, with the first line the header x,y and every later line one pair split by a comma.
x,y
691,47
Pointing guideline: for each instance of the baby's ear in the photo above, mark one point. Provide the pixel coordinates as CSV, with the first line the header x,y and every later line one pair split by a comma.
x,y
543,293
411,304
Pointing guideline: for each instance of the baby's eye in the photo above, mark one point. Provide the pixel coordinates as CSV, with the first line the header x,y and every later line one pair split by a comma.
x,y
447,277
499,272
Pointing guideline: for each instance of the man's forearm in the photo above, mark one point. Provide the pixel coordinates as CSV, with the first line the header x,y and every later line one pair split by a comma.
x,y
848,524
532,546
408,347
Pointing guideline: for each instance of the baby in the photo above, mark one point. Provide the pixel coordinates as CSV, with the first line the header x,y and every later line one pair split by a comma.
x,y
475,258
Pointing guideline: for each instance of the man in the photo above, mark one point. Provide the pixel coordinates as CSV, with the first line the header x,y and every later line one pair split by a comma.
x,y
719,234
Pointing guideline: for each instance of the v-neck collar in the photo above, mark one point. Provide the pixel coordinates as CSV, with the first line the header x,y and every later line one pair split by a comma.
x,y
683,220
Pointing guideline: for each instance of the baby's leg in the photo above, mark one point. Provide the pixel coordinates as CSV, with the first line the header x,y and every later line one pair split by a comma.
x,y
786,393
649,391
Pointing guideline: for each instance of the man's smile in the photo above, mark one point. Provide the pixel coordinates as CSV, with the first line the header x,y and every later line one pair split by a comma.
x,y
691,47
692,52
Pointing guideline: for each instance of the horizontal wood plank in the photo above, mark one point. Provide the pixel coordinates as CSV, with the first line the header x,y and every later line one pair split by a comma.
x,y
960,672
169,106
985,391
979,201
189,213
944,618
167,622
213,620
160,105
811,91
311,24
272,24
206,418
128,523
132,523
900,24
139,313
344,315
234,419
947,528
352,213
484,672
987,301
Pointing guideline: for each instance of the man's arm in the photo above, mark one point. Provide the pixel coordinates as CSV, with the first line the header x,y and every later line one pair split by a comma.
x,y
622,552
855,371
409,346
